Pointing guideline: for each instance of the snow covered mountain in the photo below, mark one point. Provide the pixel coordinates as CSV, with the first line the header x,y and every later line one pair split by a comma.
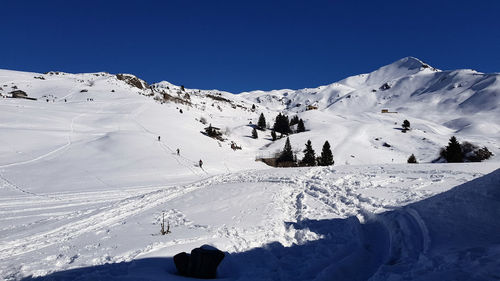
x,y
89,163
437,103
458,99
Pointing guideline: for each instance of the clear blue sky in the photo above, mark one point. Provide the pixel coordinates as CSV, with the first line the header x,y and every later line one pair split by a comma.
x,y
246,45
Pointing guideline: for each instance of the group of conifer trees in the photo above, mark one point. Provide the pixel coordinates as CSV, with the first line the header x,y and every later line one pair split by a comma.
x,y
454,152
286,156
282,125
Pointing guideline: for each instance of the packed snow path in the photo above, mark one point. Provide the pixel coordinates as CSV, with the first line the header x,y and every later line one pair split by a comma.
x,y
323,219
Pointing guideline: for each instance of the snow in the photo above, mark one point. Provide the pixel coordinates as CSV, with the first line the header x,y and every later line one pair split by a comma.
x,y
84,180
294,223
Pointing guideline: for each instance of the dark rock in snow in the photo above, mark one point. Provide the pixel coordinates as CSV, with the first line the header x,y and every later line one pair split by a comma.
x,y
384,87
132,81
202,263
19,94
181,261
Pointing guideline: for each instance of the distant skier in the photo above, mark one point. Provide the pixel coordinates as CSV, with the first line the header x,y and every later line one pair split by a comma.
x,y
201,164
159,138
178,151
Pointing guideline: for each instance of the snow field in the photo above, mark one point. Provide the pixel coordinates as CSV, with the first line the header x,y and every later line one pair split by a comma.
x,y
235,212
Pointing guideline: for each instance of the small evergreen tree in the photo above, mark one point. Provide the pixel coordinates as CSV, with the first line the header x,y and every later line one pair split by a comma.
x,y
406,125
309,155
182,88
300,126
412,159
262,122
453,152
326,155
273,135
294,120
254,133
253,107
287,153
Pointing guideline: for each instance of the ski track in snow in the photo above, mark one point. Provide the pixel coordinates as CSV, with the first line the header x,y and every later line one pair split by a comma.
x,y
61,148
98,219
187,162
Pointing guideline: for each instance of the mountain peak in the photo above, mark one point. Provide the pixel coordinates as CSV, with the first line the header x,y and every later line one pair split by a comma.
x,y
404,67
410,63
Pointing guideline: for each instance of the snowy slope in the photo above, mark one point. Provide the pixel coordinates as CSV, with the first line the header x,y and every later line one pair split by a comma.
x,y
71,143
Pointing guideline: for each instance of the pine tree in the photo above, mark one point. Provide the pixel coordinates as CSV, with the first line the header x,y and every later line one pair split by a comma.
x,y
182,88
254,133
253,107
406,125
300,126
309,155
412,159
453,152
282,124
273,135
294,120
326,155
262,122
287,153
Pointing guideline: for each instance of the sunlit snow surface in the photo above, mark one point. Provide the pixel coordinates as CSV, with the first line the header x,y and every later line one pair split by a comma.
x,y
84,184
